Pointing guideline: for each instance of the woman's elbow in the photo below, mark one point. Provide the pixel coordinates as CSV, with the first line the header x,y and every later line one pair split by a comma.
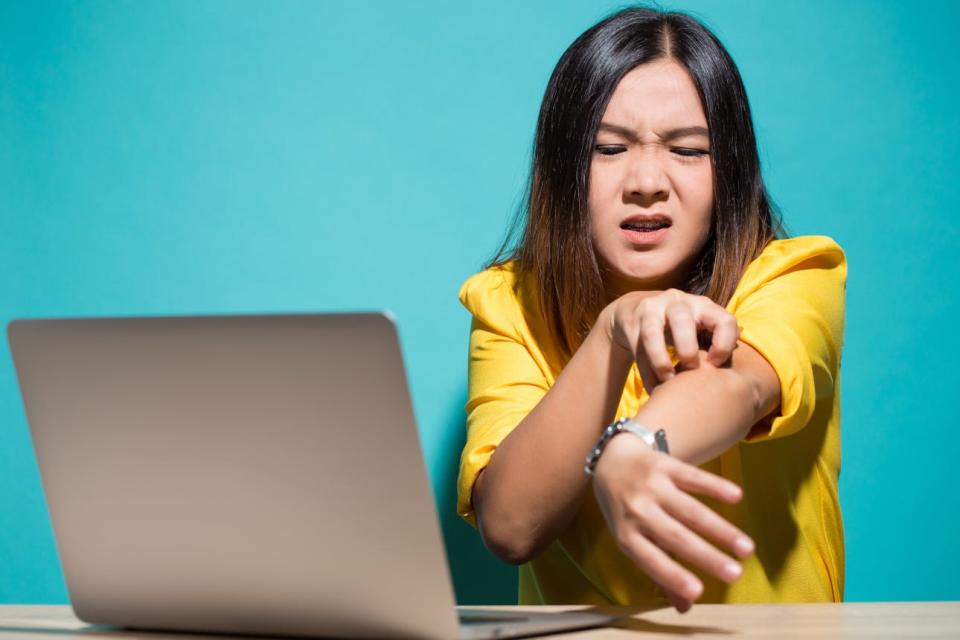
x,y
506,542
502,532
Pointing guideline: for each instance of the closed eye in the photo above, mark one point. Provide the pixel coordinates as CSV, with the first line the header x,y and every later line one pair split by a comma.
x,y
609,149
690,153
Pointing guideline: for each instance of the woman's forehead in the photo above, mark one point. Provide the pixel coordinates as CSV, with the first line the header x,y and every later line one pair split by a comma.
x,y
656,95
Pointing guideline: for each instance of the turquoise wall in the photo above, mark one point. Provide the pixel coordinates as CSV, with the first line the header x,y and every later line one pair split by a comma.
x,y
206,157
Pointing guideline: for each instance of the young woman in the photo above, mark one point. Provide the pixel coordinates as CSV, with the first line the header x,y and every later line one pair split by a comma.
x,y
649,283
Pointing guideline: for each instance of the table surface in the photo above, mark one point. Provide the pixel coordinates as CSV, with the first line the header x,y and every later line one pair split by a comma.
x,y
849,620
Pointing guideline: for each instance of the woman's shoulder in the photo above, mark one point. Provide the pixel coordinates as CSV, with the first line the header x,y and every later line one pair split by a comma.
x,y
802,248
781,256
496,294
820,258
500,279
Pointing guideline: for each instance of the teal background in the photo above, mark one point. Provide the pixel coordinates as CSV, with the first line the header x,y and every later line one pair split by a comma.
x,y
206,157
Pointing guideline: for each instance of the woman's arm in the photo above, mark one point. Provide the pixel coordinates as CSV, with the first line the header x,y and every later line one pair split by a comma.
x,y
644,495
534,482
707,409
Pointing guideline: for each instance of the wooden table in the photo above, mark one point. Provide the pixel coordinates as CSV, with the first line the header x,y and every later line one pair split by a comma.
x,y
901,620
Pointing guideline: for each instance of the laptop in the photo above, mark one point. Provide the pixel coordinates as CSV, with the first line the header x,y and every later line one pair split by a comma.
x,y
243,474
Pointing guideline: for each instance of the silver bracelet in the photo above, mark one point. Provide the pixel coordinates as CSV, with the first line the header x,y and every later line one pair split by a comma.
x,y
656,439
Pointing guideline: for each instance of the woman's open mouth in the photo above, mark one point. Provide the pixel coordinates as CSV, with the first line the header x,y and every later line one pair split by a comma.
x,y
645,230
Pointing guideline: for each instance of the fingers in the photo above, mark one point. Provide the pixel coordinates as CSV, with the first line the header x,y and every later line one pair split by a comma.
x,y
647,375
648,325
694,480
653,345
670,535
680,604
725,332
683,330
681,585
682,316
698,517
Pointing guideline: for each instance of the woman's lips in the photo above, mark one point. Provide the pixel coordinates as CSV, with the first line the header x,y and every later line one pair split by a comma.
x,y
644,238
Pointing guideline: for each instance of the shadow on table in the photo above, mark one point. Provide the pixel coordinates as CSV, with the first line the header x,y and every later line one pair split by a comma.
x,y
628,621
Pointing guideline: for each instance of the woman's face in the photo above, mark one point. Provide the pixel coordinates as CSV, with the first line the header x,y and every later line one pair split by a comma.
x,y
651,180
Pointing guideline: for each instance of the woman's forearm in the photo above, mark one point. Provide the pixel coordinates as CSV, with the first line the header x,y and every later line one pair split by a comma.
x,y
534,482
705,411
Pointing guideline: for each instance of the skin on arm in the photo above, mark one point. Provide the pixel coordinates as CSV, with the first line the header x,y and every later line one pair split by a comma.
x,y
645,495
733,397
522,507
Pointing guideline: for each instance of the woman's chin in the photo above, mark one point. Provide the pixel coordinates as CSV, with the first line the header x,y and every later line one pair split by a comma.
x,y
644,280
650,274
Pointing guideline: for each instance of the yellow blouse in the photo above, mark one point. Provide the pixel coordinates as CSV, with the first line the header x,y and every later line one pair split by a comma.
x,y
789,305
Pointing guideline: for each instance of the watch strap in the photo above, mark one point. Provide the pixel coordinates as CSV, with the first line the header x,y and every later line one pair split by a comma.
x,y
657,440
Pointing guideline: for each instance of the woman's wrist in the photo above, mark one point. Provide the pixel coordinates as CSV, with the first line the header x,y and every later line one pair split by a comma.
x,y
620,357
625,446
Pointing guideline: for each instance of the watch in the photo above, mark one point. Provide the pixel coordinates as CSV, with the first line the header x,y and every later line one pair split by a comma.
x,y
657,440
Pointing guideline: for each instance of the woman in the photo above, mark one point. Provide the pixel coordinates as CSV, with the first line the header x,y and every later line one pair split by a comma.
x,y
649,282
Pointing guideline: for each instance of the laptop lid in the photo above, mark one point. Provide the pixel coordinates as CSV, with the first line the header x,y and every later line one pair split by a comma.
x,y
251,474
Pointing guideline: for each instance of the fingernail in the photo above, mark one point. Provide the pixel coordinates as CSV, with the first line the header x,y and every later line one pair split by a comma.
x,y
744,546
692,590
732,570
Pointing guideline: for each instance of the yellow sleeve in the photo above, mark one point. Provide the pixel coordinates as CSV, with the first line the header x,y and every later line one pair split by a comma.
x,y
504,381
790,307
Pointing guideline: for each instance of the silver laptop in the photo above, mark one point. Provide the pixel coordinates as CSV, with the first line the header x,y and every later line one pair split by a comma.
x,y
243,474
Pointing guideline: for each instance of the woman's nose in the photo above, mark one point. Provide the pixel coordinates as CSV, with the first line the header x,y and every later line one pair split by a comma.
x,y
646,176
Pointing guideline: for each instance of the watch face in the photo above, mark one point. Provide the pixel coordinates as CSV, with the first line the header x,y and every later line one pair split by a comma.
x,y
640,431
637,428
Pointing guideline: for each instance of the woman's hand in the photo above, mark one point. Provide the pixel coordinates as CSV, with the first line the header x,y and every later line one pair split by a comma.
x,y
644,496
644,323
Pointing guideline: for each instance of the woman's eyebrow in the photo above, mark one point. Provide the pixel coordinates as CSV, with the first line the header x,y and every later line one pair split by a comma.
x,y
685,132
671,134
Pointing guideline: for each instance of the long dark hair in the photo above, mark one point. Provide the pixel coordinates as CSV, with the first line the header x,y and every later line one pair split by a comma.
x,y
555,247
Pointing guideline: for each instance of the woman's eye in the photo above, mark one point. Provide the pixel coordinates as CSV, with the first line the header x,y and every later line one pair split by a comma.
x,y
609,149
690,153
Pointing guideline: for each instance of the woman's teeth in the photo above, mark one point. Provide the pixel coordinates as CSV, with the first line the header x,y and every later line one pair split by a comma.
x,y
644,226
